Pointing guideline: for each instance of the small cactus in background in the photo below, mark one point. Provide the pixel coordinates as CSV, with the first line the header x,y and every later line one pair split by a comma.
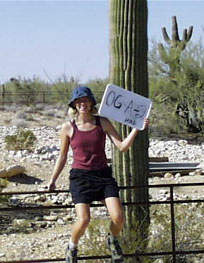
x,y
23,140
186,108
176,42
177,45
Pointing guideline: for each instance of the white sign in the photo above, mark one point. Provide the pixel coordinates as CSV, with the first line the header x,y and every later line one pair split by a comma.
x,y
125,106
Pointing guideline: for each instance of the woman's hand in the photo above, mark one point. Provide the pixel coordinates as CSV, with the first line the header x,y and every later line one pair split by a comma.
x,y
51,186
146,123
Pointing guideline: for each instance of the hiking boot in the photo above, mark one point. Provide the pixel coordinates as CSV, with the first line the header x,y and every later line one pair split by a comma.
x,y
71,255
115,249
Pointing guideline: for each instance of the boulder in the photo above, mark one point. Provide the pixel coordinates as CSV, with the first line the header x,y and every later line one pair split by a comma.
x,y
12,171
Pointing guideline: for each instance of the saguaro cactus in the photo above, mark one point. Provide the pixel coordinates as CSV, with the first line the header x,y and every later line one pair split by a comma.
x,y
176,45
185,108
175,42
128,69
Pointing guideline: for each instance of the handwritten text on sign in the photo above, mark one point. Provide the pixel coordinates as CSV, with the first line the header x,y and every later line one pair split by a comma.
x,y
125,106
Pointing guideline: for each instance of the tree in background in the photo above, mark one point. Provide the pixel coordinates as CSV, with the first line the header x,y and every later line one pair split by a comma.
x,y
176,79
128,69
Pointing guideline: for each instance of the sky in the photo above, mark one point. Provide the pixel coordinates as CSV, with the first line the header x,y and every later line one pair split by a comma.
x,y
53,39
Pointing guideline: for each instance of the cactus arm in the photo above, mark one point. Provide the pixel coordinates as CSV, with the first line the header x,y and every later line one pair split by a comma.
x,y
185,34
190,32
162,53
165,35
175,35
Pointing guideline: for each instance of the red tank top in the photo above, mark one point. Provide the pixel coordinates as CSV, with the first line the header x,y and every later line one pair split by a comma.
x,y
89,147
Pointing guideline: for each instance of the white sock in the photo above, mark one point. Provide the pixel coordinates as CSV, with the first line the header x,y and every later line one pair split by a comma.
x,y
72,245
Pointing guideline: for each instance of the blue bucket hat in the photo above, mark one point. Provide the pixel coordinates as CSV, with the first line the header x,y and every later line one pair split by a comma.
x,y
80,92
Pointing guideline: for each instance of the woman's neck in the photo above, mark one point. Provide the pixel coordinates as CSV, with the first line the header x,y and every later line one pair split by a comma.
x,y
83,118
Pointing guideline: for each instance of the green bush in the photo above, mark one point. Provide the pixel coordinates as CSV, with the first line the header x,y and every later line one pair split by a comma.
x,y
23,140
178,93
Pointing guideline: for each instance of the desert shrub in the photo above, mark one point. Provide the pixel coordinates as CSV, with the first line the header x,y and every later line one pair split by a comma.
x,y
96,236
62,88
26,91
23,140
189,229
98,87
180,93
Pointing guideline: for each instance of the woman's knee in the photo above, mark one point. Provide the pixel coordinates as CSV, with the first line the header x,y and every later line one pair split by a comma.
x,y
118,219
83,215
84,221
115,210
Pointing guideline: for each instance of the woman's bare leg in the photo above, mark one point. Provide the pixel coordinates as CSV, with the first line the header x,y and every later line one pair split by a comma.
x,y
83,219
115,210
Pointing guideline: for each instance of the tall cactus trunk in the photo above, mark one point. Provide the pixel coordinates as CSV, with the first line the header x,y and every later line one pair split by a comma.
x,y
128,69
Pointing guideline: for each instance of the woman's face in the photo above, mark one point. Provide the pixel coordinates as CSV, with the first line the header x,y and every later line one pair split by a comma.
x,y
83,104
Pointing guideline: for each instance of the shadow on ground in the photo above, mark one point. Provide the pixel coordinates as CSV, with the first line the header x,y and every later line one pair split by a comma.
x,y
25,179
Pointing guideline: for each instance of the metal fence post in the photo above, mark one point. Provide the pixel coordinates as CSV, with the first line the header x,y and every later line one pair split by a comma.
x,y
173,235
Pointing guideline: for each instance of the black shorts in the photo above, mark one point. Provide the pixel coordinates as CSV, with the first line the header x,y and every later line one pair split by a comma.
x,y
88,186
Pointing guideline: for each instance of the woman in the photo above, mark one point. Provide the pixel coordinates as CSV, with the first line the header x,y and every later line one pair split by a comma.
x,y
90,177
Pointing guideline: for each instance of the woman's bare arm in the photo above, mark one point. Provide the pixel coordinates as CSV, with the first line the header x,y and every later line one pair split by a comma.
x,y
61,161
122,145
